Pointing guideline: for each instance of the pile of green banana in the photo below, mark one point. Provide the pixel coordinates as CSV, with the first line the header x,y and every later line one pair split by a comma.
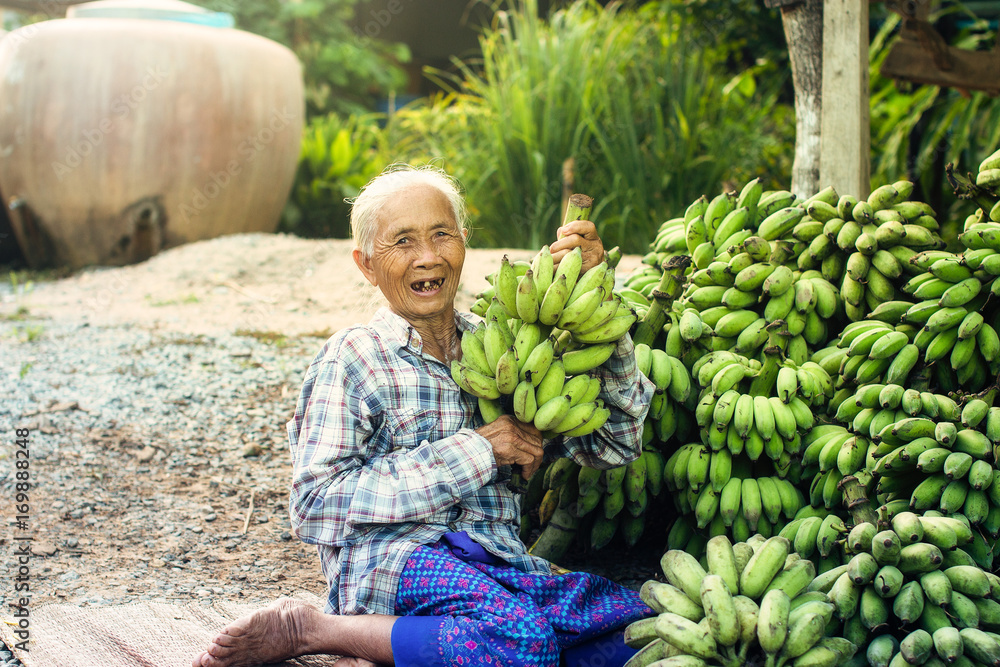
x,y
926,453
610,502
941,322
741,478
924,600
545,328
752,602
756,411
710,227
543,332
729,303
869,351
870,244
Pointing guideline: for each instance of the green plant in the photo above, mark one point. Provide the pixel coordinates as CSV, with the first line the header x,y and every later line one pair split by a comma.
x,y
641,100
917,130
534,82
656,146
344,69
338,158
648,120
30,333
21,282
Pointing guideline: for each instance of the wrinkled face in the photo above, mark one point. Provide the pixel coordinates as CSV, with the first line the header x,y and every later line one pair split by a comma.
x,y
418,256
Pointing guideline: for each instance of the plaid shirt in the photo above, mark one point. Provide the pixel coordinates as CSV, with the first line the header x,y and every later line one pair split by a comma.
x,y
386,459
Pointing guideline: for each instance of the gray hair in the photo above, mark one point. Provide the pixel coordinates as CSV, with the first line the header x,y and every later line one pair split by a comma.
x,y
367,206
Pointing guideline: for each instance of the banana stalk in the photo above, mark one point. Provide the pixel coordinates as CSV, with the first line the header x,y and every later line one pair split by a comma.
x,y
966,189
557,536
856,501
670,287
578,208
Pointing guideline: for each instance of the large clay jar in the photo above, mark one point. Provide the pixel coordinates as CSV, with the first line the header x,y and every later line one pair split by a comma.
x,y
121,136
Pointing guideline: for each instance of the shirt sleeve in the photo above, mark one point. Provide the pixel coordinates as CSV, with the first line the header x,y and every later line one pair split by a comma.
x,y
346,478
627,393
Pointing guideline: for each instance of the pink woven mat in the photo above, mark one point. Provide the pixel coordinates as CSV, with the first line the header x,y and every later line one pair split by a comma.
x,y
138,634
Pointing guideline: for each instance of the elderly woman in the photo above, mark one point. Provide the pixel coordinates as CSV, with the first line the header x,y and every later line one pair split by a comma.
x,y
406,493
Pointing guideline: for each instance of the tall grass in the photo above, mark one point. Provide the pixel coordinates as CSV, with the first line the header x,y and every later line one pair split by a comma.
x,y
676,127
640,107
635,97
534,85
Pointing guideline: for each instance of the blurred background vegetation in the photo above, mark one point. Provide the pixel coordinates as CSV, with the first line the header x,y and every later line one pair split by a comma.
x,y
655,103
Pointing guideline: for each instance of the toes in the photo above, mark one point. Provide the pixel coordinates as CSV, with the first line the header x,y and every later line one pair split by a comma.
x,y
226,639
220,652
204,659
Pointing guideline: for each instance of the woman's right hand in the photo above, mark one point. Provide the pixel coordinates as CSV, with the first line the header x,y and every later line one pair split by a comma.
x,y
514,443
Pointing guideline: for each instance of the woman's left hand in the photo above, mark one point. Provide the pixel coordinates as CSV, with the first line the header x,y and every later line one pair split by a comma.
x,y
582,234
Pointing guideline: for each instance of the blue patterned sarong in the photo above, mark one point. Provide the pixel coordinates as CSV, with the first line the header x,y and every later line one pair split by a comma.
x,y
458,610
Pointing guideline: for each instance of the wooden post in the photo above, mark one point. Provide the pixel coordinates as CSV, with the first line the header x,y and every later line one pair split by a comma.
x,y
845,145
803,24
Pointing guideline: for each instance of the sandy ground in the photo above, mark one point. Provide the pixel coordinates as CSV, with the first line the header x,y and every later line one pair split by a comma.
x,y
244,282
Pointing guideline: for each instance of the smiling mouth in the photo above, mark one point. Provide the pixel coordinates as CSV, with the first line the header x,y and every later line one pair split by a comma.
x,y
427,285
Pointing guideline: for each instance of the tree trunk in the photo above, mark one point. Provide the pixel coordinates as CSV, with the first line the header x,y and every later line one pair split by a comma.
x,y
803,23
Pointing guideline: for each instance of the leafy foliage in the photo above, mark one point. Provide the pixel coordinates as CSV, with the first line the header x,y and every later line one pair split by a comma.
x,y
917,130
640,99
338,158
345,70
649,118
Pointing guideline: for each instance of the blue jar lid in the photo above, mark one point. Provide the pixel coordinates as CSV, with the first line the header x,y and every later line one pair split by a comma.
x,y
157,10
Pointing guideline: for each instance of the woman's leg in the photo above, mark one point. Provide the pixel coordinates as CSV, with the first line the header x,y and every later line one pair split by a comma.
x,y
586,611
290,628
452,613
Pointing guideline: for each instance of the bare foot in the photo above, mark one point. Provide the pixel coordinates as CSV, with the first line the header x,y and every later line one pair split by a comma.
x,y
277,632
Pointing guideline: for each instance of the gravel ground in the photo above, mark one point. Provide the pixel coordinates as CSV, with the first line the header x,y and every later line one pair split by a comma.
x,y
158,458
159,465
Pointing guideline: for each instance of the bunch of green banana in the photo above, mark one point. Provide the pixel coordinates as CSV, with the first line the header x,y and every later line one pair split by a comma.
x,y
610,502
759,411
543,332
870,350
619,499
955,347
829,454
725,219
818,534
928,453
727,495
668,409
736,296
866,246
637,289
742,477
988,179
950,297
910,585
748,603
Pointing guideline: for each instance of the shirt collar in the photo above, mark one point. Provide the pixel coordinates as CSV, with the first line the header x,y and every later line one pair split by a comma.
x,y
401,334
